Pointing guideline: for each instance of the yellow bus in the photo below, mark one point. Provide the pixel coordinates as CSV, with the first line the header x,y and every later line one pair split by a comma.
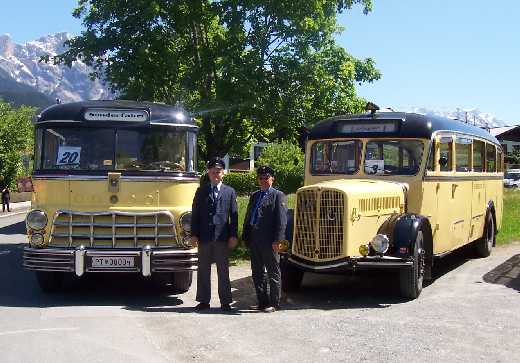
x,y
113,186
390,190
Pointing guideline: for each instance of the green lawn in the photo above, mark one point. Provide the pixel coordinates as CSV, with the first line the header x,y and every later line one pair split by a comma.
x,y
510,230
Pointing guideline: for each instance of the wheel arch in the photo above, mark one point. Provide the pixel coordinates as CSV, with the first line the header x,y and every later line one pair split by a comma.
x,y
405,233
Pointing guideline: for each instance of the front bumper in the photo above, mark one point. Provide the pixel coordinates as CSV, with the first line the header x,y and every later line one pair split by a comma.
x,y
350,263
147,260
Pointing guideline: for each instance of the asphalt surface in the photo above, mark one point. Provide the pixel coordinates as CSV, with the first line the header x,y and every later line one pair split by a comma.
x,y
469,313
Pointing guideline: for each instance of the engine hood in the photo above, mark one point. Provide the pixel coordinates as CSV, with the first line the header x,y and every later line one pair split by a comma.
x,y
362,188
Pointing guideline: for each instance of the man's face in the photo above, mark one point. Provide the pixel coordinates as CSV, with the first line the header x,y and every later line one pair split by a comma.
x,y
215,175
265,181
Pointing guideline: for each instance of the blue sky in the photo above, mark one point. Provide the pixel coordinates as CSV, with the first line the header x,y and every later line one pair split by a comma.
x,y
438,54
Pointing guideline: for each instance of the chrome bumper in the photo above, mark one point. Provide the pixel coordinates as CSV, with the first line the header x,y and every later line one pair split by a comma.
x,y
148,260
351,263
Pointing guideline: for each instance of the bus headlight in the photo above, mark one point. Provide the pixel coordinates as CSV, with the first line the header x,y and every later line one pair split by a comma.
x,y
380,243
185,222
36,239
36,219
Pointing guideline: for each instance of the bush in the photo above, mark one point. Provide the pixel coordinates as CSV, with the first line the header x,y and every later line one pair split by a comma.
x,y
243,183
287,160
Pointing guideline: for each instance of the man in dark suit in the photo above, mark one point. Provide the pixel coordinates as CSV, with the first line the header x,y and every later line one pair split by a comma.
x,y
214,220
264,228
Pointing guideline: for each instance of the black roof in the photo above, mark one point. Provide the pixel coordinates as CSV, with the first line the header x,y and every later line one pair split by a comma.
x,y
408,125
158,113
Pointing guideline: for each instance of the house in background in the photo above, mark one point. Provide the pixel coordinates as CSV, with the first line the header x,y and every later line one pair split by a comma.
x,y
245,165
509,137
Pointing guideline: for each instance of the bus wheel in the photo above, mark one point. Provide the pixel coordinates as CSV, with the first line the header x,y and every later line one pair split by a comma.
x,y
291,277
411,278
50,281
484,245
181,281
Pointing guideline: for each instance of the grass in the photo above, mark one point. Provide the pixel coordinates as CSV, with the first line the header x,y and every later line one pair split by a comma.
x,y
510,230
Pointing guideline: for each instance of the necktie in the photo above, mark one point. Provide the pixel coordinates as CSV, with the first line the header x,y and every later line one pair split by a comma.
x,y
215,191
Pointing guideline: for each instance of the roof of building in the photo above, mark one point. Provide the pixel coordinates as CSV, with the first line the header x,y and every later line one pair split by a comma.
x,y
408,125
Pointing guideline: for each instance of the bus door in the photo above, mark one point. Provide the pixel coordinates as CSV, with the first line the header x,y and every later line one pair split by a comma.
x,y
450,199
478,203
463,190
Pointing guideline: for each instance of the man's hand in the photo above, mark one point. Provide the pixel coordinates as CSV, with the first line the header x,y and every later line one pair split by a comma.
x,y
194,240
232,242
276,247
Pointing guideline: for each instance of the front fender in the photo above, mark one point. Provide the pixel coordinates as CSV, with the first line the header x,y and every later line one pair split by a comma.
x,y
405,233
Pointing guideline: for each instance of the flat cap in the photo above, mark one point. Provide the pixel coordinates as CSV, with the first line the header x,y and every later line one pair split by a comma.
x,y
265,170
216,163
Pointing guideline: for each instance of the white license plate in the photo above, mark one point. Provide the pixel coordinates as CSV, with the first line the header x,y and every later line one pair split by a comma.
x,y
115,262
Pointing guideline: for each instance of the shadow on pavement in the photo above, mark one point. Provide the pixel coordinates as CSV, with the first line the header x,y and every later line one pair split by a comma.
x,y
16,228
507,274
363,289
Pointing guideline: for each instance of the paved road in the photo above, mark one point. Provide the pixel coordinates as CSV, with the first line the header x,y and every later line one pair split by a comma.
x,y
470,313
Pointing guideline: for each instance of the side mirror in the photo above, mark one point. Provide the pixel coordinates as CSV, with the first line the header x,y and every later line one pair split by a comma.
x,y
443,161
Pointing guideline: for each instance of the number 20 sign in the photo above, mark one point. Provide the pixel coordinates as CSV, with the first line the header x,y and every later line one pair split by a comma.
x,y
68,155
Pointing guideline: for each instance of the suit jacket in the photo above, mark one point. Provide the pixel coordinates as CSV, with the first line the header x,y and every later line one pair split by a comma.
x,y
214,220
271,219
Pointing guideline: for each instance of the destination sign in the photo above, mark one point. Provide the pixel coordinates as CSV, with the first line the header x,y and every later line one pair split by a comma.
x,y
374,127
101,114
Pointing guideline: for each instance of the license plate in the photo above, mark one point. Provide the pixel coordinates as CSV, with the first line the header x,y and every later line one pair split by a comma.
x,y
114,262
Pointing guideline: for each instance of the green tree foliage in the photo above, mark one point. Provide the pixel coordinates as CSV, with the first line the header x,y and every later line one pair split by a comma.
x,y
287,160
260,68
16,139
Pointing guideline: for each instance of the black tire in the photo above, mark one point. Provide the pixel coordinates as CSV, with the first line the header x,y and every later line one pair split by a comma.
x,y
411,279
181,281
484,245
50,281
291,277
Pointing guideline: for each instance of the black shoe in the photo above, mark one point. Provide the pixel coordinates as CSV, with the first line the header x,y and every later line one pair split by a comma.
x,y
258,307
202,306
226,307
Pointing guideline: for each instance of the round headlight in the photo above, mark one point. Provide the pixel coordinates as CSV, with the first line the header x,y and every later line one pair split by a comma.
x,y
36,219
380,243
185,222
36,239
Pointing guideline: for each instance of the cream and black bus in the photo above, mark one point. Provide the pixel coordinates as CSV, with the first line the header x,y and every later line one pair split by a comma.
x,y
390,190
113,187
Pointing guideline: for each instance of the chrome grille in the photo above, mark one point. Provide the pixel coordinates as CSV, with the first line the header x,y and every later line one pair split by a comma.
x,y
113,229
319,225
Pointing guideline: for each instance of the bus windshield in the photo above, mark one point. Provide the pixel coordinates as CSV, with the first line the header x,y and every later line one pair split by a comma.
x,y
146,149
393,157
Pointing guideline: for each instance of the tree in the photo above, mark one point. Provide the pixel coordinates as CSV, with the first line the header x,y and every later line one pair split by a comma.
x,y
260,68
16,140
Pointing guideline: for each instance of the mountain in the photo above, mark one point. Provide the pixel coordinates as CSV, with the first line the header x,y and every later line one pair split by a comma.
x,y
21,64
472,116
20,94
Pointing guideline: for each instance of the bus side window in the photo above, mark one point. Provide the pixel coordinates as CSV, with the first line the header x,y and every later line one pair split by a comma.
x,y
446,153
491,158
478,156
430,165
463,154
500,161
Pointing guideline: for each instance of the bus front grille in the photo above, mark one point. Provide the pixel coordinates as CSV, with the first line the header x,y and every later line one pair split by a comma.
x,y
319,226
113,229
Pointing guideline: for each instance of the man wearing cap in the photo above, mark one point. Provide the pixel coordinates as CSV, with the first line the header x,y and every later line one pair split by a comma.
x,y
264,228
214,221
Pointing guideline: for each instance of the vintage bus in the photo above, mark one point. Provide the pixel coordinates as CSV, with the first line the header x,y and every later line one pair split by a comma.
x,y
389,190
113,186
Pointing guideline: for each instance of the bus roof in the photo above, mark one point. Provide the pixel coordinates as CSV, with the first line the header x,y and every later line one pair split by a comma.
x,y
392,124
115,111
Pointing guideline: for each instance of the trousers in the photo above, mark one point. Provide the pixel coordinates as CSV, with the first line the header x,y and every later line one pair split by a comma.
x,y
209,252
265,270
